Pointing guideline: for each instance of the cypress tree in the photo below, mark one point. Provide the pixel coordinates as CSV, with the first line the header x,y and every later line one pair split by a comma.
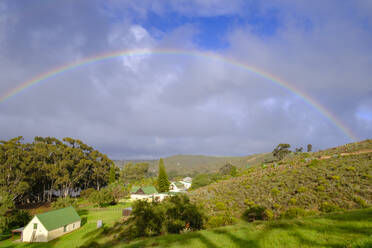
x,y
163,182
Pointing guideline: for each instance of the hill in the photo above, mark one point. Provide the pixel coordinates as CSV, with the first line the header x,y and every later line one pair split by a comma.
x,y
311,181
195,164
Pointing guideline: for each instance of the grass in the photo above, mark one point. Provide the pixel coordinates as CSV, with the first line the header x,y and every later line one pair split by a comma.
x,y
89,230
350,229
347,229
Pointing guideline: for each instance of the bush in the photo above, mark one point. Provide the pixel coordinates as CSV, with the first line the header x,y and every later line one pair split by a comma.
x,y
175,226
326,207
102,198
257,212
360,201
172,216
220,206
215,221
64,202
292,201
86,193
293,213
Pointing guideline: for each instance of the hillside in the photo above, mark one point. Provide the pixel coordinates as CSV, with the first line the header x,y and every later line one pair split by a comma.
x,y
302,181
194,164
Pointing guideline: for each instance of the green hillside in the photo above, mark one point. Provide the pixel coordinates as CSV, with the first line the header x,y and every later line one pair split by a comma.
x,y
195,164
299,181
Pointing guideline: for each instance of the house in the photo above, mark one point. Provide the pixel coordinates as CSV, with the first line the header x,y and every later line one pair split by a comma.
x,y
50,225
142,193
177,187
187,180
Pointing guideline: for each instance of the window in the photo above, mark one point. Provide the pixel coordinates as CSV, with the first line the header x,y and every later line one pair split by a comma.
x,y
64,228
35,225
73,225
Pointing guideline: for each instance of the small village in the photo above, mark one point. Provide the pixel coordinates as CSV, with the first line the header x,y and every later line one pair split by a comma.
x,y
53,224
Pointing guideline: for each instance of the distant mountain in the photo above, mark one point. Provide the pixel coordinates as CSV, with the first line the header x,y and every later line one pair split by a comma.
x,y
195,164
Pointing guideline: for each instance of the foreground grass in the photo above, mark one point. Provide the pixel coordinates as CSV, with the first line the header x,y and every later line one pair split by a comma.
x,y
349,229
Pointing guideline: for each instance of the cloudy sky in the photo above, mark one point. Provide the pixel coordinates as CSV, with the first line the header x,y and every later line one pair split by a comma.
x,y
155,104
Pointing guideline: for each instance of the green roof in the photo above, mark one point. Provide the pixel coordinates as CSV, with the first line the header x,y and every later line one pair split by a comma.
x,y
148,190
58,218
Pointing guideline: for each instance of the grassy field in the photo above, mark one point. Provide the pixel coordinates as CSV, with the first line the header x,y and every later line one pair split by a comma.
x,y
88,231
349,229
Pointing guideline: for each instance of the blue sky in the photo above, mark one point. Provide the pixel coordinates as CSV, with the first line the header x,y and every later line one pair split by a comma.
x,y
157,105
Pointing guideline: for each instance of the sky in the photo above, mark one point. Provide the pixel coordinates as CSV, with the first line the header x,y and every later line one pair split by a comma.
x,y
153,105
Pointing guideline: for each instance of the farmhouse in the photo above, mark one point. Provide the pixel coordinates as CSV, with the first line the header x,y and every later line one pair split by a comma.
x,y
141,193
50,225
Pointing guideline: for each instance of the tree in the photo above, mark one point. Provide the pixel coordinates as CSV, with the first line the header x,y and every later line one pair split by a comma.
x,y
134,172
163,183
309,147
281,151
229,169
112,178
299,150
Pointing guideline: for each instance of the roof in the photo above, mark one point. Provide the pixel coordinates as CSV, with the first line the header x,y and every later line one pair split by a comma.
x,y
148,190
58,218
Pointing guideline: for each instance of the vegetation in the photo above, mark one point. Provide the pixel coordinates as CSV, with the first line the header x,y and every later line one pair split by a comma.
x,y
349,229
133,172
191,165
298,181
281,151
163,182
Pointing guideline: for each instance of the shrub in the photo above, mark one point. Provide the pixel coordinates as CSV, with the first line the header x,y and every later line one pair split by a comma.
x,y
248,202
64,202
301,189
102,197
326,207
175,226
256,212
360,201
86,193
293,213
292,201
275,191
215,221
220,206
320,188
350,168
220,220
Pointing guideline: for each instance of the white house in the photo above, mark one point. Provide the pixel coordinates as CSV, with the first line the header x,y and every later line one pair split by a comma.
x,y
50,225
142,193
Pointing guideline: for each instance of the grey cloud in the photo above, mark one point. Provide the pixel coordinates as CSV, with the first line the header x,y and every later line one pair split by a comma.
x,y
156,105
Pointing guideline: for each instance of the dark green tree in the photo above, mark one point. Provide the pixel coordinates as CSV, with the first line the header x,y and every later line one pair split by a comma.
x,y
309,147
163,182
112,177
281,151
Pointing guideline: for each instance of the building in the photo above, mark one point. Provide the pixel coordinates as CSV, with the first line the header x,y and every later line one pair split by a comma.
x,y
177,187
127,211
50,225
142,193
187,180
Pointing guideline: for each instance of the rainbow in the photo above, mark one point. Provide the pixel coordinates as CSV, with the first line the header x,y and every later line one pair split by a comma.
x,y
106,56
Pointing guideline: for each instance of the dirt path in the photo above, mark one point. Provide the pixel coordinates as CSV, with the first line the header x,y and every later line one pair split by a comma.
x,y
347,154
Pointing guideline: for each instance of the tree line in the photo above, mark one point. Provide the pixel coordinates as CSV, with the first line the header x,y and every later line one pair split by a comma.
x,y
30,172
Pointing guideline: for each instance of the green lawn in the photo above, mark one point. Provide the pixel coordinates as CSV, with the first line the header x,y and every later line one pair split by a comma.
x,y
84,234
350,229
